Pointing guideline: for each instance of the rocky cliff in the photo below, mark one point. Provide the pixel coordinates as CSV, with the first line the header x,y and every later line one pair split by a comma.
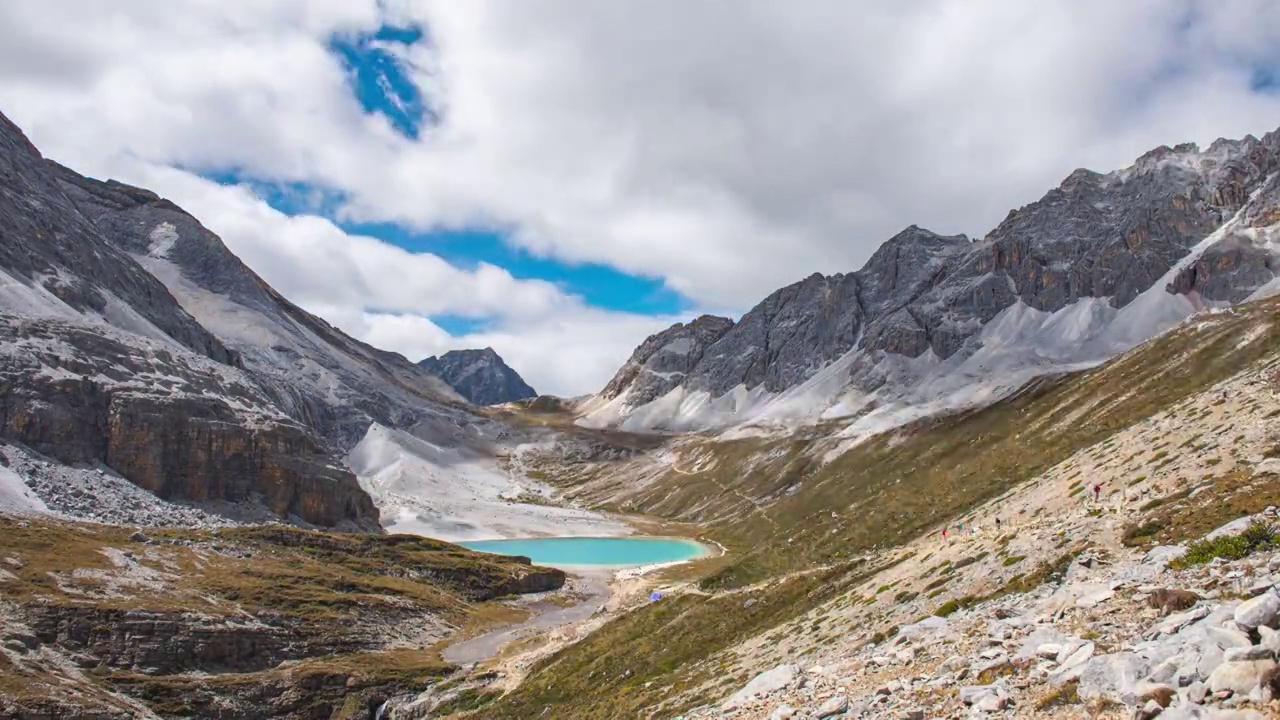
x,y
103,365
480,376
1098,264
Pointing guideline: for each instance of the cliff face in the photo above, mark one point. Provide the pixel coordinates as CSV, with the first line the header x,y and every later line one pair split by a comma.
x,y
923,301
179,425
100,363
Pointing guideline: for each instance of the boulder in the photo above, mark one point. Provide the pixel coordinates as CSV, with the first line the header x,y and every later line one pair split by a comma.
x,y
782,677
1253,652
782,712
1113,676
1263,610
1242,677
1227,639
991,703
832,707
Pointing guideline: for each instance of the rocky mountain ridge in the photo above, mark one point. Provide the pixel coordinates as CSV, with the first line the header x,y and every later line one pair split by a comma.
x,y
135,341
1098,264
480,376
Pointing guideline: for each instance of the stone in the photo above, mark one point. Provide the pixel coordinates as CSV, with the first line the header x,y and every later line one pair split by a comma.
x,y
1177,621
991,703
1162,554
782,712
1269,639
1094,599
1258,611
1241,677
1254,652
1112,676
139,536
1197,692
1226,638
1148,711
970,694
832,707
1259,586
1048,651
782,677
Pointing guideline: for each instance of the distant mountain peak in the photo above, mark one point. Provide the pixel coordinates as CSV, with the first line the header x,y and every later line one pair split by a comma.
x,y
481,376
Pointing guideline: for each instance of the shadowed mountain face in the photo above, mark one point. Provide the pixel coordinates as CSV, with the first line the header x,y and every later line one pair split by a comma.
x,y
132,337
480,376
1100,262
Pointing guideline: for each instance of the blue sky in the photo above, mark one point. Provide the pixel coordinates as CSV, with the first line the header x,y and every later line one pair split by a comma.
x,y
381,86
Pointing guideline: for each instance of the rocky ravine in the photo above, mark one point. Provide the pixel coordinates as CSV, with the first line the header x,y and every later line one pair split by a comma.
x,y
1058,282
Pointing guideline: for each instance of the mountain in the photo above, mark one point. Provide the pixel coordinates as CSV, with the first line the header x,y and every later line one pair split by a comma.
x,y
134,340
480,376
1098,265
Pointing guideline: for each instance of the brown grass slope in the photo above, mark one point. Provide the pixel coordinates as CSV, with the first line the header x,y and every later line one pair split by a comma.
x,y
785,514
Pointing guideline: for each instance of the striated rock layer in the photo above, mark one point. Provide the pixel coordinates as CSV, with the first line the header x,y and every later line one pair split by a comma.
x,y
101,364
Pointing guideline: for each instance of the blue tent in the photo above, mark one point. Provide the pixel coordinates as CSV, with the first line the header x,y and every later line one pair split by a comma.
x,y
655,595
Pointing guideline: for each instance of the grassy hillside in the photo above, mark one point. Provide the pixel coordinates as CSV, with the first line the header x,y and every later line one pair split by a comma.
x,y
225,621
783,510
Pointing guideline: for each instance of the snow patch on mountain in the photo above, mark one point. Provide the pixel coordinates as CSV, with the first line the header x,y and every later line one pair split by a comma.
x,y
16,498
454,493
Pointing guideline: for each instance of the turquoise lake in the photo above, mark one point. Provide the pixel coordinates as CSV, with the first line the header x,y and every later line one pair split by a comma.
x,y
621,552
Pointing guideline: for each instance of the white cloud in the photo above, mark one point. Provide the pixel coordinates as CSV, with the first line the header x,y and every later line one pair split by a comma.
x,y
381,293
727,148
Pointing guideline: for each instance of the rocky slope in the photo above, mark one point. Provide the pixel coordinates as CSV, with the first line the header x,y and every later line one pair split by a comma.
x,y
99,621
480,376
101,364
316,374
1097,265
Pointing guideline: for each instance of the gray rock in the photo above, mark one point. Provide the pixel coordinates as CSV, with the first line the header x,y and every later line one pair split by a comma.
x,y
782,712
1226,638
480,376
782,677
831,707
991,703
1241,677
1261,610
1255,652
1114,676
1148,711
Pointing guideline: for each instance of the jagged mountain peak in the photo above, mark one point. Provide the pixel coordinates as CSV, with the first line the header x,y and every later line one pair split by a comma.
x,y
481,376
1056,283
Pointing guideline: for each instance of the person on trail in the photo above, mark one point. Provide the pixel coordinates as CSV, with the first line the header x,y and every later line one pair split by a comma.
x,y
1097,492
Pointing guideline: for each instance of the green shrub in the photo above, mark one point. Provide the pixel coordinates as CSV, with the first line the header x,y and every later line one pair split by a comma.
x,y
1014,560
1258,536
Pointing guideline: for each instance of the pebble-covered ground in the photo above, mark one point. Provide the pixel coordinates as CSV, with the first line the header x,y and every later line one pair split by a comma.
x,y
100,495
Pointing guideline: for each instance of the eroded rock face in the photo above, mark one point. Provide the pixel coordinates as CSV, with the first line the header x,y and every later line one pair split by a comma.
x,y
177,424
480,376
664,360
1108,237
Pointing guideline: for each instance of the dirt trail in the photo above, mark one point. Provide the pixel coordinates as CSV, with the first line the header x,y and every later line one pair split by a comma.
x,y
547,615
